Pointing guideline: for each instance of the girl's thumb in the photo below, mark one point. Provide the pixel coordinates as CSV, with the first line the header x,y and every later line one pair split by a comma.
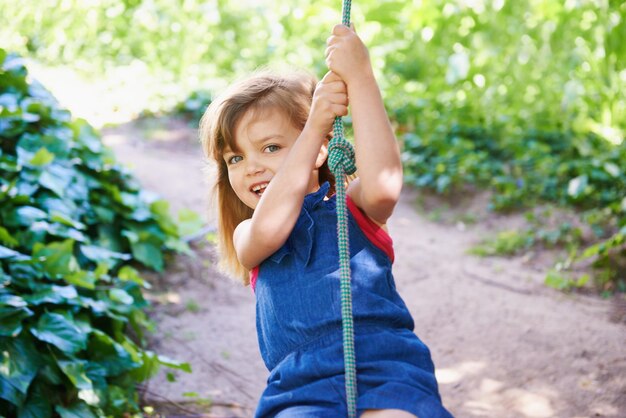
x,y
352,27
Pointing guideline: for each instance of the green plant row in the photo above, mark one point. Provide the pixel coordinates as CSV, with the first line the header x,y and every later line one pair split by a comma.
x,y
524,98
72,225
585,173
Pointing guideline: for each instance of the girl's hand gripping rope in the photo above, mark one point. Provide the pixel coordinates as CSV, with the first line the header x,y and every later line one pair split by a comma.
x,y
348,57
330,100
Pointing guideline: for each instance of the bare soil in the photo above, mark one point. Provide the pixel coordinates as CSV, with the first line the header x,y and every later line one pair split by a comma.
x,y
503,343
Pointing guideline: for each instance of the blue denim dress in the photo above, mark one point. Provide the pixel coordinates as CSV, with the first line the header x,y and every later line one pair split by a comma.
x,y
298,311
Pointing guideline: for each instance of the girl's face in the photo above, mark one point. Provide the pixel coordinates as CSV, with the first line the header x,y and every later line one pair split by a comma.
x,y
262,142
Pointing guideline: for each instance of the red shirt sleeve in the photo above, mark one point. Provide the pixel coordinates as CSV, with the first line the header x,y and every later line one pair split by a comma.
x,y
377,235
254,273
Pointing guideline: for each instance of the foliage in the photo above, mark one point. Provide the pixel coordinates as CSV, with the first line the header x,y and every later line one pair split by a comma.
x,y
559,281
193,107
548,65
542,230
71,223
524,97
609,257
534,112
586,173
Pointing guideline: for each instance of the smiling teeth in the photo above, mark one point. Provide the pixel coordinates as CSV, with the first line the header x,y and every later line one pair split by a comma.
x,y
259,187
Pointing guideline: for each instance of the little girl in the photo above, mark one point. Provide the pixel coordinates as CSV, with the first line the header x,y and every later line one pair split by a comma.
x,y
268,136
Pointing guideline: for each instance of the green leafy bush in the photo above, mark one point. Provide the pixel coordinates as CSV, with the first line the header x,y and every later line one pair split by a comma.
x,y
524,98
72,224
583,172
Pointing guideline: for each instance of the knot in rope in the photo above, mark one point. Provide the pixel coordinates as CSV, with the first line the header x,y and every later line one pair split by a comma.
x,y
341,157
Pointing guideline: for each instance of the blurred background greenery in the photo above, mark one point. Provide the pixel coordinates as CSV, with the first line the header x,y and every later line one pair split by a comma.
x,y
522,97
556,65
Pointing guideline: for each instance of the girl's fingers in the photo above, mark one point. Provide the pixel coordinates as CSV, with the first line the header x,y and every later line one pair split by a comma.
x,y
332,82
336,90
339,30
330,77
332,91
327,77
340,110
334,98
337,87
341,99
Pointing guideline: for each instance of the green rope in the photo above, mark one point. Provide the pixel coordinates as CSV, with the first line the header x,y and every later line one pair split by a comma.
x,y
341,163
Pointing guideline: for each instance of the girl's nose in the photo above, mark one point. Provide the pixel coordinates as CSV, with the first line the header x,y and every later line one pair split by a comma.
x,y
254,166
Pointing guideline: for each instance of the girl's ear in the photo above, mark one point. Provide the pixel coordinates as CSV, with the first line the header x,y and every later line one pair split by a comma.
x,y
323,154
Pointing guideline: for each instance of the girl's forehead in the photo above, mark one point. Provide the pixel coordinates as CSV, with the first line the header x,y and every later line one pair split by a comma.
x,y
256,124
241,123
255,116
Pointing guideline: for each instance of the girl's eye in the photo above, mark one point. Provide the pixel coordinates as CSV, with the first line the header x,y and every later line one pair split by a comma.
x,y
234,159
272,148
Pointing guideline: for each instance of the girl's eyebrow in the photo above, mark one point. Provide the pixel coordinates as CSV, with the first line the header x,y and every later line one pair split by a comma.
x,y
227,151
266,137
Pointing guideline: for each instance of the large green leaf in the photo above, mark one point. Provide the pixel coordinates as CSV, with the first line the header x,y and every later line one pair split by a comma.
x,y
110,355
99,255
25,216
61,210
104,214
54,295
149,365
18,368
53,183
57,258
149,254
43,229
58,140
160,209
75,371
120,296
37,404
128,273
82,278
15,301
26,275
6,238
59,331
11,319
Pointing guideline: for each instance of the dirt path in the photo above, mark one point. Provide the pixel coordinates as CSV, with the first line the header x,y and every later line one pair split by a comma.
x,y
504,345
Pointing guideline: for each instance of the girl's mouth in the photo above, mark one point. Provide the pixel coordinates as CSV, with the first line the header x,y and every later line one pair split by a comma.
x,y
259,188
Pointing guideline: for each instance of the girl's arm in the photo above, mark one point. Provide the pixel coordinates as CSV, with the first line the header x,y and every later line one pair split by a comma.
x,y
257,238
275,215
377,152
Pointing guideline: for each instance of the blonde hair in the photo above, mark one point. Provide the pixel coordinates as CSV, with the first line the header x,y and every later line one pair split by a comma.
x,y
290,94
